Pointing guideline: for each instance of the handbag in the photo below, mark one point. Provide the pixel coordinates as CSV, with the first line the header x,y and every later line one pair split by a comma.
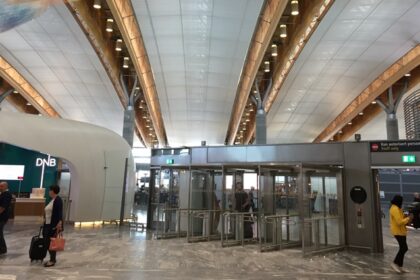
x,y
57,243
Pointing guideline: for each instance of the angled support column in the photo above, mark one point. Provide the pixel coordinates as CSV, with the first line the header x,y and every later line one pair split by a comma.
x,y
260,117
4,94
129,115
391,112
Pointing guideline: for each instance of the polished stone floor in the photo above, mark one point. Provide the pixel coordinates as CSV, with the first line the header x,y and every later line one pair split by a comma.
x,y
108,253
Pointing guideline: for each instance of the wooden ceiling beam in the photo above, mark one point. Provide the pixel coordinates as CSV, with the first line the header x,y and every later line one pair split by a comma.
x,y
126,21
390,76
266,26
312,15
25,89
92,22
373,110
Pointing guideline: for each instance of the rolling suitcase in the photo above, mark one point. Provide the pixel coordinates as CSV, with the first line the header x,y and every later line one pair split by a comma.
x,y
38,249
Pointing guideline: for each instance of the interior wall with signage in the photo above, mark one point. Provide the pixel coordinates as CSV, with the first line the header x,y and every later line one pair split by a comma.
x,y
11,155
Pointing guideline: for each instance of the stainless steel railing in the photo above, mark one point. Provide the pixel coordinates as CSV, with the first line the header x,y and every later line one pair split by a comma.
x,y
234,225
279,231
169,223
203,224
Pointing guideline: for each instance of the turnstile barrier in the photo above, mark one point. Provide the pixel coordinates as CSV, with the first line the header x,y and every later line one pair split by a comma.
x,y
279,232
238,228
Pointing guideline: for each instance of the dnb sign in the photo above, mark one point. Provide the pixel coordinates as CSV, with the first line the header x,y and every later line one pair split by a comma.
x,y
50,162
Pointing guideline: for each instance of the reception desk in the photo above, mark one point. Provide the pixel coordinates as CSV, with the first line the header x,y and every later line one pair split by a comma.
x,y
29,209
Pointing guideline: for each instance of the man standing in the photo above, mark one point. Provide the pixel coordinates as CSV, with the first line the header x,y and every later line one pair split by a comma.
x,y
5,199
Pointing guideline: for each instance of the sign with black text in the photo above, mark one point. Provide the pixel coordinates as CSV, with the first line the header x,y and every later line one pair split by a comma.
x,y
395,146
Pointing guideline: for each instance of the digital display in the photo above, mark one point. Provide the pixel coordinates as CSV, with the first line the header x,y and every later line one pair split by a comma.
x,y
12,172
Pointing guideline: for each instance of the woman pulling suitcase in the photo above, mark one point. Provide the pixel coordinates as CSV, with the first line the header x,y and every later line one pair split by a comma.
x,y
53,221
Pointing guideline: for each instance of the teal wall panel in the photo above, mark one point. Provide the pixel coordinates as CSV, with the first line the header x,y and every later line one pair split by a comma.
x,y
10,154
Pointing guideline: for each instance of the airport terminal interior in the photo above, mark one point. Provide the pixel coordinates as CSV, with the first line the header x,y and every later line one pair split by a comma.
x,y
209,139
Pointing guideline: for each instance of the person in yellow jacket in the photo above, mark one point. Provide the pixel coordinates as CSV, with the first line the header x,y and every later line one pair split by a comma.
x,y
398,222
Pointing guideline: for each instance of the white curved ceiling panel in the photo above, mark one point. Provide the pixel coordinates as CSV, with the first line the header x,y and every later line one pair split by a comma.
x,y
355,42
54,55
197,49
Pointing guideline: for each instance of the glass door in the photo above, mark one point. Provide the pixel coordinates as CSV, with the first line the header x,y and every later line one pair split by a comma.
x,y
169,192
279,211
205,204
239,205
322,208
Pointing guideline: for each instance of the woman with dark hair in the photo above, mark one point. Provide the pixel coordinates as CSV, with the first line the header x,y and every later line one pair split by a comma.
x,y
398,222
53,221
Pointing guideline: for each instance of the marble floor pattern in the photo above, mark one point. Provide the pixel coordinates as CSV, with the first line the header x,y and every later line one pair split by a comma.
x,y
110,253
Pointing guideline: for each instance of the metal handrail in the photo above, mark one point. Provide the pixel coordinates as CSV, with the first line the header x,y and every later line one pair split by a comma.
x,y
205,215
243,217
277,222
177,233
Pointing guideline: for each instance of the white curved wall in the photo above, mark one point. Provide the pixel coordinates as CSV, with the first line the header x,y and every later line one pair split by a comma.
x,y
96,157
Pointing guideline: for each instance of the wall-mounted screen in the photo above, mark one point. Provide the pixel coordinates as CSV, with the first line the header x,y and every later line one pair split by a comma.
x,y
11,172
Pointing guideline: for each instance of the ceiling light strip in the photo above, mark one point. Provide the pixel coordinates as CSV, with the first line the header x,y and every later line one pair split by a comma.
x,y
17,81
396,71
264,30
125,19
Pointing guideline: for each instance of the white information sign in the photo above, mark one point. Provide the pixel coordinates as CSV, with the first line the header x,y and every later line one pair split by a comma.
x,y
11,172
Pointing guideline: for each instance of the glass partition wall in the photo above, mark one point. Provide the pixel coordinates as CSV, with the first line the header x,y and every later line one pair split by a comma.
x,y
279,206
169,197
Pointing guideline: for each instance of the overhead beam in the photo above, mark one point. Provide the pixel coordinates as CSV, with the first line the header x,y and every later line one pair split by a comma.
x,y
99,39
301,35
126,20
266,26
373,110
18,82
390,76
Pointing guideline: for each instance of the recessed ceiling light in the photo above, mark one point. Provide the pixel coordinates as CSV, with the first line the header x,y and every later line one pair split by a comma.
x,y
361,114
97,4
125,63
118,45
295,7
283,31
109,25
28,104
341,132
350,123
266,66
274,50
373,102
407,75
15,91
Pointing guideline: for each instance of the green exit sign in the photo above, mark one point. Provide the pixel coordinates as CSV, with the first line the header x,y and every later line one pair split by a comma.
x,y
170,161
409,158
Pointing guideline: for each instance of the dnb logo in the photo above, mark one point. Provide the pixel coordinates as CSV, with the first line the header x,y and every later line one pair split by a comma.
x,y
375,147
51,162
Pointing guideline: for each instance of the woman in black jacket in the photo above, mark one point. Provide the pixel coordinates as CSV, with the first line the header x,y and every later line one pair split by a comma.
x,y
53,222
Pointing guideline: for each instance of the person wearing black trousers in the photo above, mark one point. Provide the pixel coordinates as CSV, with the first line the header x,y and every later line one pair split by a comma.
x,y
5,199
53,222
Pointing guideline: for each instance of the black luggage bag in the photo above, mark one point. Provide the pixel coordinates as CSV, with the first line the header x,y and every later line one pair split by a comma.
x,y
38,249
